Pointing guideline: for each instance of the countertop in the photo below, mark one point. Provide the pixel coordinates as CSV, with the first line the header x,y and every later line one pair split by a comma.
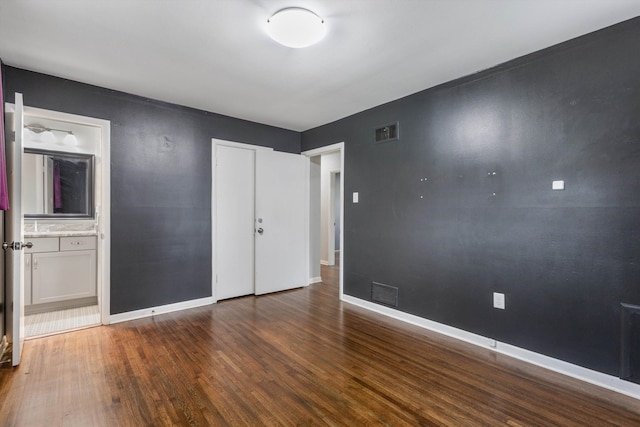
x,y
60,234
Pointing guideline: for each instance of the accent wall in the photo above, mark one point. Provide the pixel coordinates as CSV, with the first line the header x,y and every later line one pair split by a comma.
x,y
462,205
160,183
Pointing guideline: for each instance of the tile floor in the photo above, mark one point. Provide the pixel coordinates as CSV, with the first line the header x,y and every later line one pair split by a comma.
x,y
62,320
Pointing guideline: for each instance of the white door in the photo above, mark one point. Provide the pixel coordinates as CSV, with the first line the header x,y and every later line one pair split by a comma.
x,y
234,210
14,258
261,220
281,225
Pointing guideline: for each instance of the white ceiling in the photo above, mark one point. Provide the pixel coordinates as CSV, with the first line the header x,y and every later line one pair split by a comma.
x,y
215,55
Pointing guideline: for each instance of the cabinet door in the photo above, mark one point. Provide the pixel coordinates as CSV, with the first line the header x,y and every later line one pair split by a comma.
x,y
59,276
27,279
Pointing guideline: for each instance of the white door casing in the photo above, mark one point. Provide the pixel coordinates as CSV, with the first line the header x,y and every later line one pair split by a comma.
x,y
340,148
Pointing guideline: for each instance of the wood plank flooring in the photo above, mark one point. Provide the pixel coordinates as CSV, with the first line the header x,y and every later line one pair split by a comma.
x,y
299,357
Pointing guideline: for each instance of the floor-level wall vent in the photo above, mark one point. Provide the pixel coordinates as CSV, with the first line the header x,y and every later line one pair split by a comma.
x,y
630,343
384,294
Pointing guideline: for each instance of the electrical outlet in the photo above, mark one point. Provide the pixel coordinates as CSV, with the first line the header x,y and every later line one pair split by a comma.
x,y
498,300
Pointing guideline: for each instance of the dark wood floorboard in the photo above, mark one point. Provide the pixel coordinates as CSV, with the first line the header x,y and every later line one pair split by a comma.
x,y
299,357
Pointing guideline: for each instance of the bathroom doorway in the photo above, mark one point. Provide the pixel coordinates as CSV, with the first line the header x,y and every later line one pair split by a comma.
x,y
65,198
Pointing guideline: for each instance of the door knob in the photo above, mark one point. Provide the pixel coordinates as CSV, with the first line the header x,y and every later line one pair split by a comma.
x,y
260,230
16,246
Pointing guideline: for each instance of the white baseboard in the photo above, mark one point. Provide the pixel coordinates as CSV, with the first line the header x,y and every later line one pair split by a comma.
x,y
323,262
313,280
594,377
152,311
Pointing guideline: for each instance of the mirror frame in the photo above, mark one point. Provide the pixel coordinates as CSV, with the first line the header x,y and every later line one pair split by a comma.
x,y
89,188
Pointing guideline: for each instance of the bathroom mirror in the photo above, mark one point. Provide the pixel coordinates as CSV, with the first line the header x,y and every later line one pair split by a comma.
x,y
57,185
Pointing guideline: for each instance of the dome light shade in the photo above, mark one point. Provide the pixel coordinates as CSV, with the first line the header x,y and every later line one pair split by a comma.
x,y
70,139
47,137
296,27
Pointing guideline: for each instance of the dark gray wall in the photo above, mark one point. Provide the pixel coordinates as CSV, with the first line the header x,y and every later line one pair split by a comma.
x,y
435,221
160,193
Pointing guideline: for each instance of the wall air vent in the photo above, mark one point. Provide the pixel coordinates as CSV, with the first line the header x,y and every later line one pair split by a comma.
x,y
384,294
387,133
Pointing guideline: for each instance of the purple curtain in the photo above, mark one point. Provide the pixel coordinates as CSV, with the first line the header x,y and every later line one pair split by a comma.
x,y
57,187
4,192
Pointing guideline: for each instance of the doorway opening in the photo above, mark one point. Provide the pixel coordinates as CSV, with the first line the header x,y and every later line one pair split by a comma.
x,y
60,193
326,207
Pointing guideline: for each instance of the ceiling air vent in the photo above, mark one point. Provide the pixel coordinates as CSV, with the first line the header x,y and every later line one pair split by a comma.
x,y
387,133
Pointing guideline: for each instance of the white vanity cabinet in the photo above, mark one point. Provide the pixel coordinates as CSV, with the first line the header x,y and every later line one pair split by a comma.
x,y
27,278
60,269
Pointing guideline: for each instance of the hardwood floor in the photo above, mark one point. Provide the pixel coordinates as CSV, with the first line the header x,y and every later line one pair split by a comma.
x,y
299,357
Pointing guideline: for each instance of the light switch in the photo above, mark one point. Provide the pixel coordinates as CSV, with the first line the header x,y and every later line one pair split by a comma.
x,y
557,185
498,300
355,197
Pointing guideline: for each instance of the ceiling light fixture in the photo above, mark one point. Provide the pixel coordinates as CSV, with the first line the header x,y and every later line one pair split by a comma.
x,y
296,27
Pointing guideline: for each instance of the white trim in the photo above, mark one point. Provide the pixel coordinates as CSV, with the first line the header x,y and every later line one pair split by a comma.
x,y
342,198
324,262
313,280
67,117
587,375
105,224
324,150
340,146
239,145
161,309
307,216
212,220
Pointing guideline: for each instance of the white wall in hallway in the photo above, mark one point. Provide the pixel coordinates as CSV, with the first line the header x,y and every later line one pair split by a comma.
x,y
314,219
329,163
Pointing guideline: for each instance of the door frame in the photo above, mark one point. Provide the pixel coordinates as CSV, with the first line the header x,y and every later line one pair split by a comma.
x,y
216,142
103,168
337,147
